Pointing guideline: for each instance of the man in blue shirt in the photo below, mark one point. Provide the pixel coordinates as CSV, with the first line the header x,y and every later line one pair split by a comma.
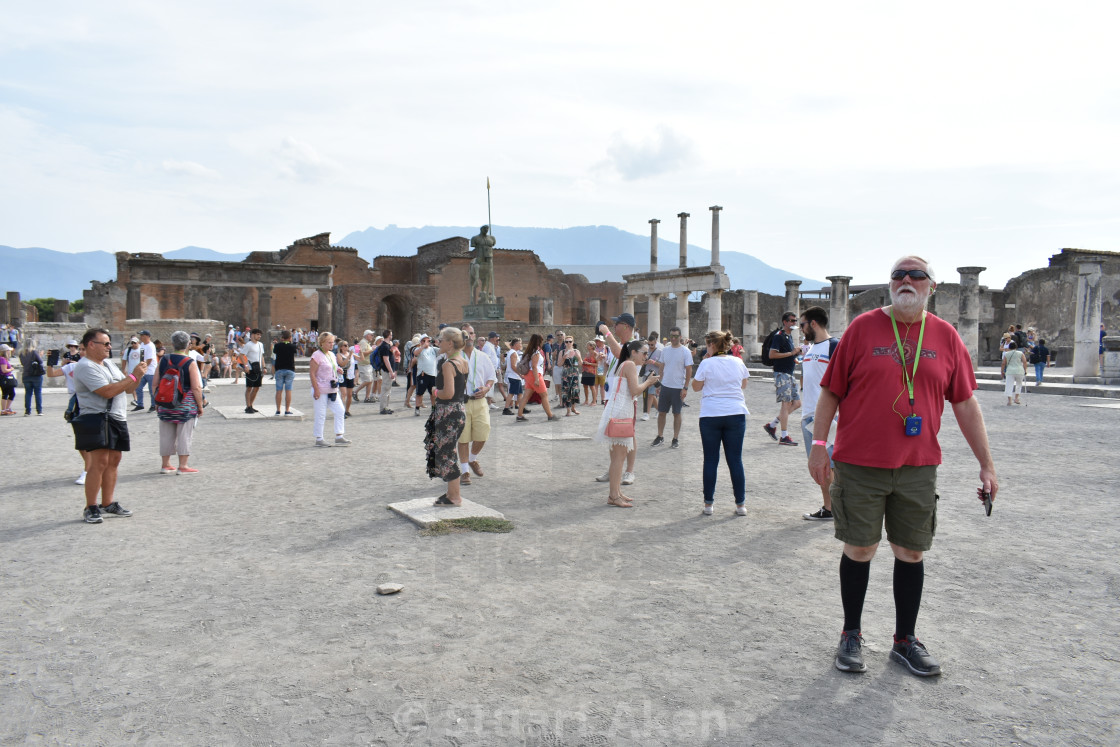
x,y
783,357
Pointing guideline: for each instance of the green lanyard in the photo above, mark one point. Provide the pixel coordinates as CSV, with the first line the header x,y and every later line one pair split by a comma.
x,y
908,375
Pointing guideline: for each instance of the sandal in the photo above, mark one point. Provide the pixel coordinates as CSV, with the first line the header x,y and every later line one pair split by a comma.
x,y
442,501
620,501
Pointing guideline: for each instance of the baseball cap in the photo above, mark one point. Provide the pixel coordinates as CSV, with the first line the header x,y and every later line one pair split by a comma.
x,y
135,339
549,337
625,318
145,332
493,336
367,332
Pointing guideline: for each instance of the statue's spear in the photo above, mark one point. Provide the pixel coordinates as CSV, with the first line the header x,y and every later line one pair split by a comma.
x,y
488,206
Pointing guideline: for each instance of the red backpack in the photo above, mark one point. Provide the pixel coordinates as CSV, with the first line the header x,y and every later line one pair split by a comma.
x,y
170,391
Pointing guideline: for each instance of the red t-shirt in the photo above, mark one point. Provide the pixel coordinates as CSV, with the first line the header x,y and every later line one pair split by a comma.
x,y
866,374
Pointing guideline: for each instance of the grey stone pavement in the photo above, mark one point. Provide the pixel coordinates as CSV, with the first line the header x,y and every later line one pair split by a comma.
x,y
238,606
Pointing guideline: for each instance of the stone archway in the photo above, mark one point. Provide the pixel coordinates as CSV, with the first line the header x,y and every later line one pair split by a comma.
x,y
393,313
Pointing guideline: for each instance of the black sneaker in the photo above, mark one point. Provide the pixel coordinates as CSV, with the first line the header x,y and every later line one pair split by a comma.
x,y
505,411
152,408
786,441
138,408
675,445
116,509
771,430
849,655
913,655
386,412
92,515
821,514
658,441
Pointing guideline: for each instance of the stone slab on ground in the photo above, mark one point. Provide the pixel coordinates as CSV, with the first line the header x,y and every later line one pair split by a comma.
x,y
559,436
422,512
238,413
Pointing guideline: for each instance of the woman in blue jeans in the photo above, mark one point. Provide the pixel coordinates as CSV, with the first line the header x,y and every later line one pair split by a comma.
x,y
720,379
33,371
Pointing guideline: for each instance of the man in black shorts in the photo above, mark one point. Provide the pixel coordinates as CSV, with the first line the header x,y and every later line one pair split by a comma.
x,y
254,354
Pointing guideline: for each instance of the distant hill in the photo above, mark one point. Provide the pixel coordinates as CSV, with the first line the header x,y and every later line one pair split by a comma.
x,y
599,252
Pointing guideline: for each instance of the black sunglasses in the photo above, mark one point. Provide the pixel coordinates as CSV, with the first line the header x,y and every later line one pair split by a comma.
x,y
916,274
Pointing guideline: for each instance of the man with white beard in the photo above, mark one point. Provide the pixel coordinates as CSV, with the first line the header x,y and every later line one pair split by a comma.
x,y
890,379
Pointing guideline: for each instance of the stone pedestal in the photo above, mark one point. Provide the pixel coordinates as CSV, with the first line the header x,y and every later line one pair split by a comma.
x,y
485,312
61,310
1087,322
751,344
715,234
793,297
547,305
628,305
682,315
968,322
1110,370
594,310
838,304
684,239
653,244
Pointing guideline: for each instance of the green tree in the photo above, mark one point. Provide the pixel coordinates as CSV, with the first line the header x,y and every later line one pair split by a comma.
x,y
78,307
45,307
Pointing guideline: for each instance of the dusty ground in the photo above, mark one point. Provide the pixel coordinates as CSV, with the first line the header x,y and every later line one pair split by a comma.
x,y
238,607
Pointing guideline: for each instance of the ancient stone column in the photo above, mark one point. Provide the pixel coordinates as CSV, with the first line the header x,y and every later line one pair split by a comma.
x,y
682,314
653,244
324,309
594,310
628,305
4,316
750,323
653,314
264,309
968,322
534,310
838,304
15,309
61,310
793,297
715,234
715,310
546,312
1087,323
684,239
132,304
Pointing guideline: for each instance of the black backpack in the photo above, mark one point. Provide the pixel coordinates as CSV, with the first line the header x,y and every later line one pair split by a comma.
x,y
766,345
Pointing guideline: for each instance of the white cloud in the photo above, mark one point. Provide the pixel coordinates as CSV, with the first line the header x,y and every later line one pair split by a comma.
x,y
189,168
659,153
300,161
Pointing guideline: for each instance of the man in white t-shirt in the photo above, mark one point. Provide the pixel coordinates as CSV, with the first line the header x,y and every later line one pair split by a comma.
x,y
424,358
148,381
675,366
490,347
253,350
814,326
481,376
68,371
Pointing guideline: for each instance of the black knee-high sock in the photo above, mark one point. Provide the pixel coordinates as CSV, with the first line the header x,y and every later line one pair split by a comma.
x,y
908,581
853,589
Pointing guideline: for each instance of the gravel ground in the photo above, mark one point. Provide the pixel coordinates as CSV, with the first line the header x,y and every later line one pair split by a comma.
x,y
237,606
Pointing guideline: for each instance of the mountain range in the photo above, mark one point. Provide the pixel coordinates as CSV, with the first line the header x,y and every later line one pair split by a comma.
x,y
598,252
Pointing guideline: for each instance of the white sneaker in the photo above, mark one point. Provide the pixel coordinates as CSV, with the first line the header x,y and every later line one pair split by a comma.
x,y
342,441
627,478
321,443
645,416
81,479
605,477
740,510
708,509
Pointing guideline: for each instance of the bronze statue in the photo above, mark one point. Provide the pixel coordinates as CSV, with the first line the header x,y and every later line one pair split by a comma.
x,y
484,243
473,270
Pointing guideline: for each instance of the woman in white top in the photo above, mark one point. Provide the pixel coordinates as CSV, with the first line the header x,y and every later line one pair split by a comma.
x,y
349,368
514,384
720,379
624,389
325,378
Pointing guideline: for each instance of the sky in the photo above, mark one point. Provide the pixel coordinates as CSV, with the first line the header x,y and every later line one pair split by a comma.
x,y
836,136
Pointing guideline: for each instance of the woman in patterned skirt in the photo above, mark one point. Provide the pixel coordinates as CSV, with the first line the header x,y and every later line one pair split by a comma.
x,y
445,424
569,387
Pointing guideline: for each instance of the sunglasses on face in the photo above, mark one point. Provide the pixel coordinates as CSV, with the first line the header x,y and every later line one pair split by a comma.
x,y
915,274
